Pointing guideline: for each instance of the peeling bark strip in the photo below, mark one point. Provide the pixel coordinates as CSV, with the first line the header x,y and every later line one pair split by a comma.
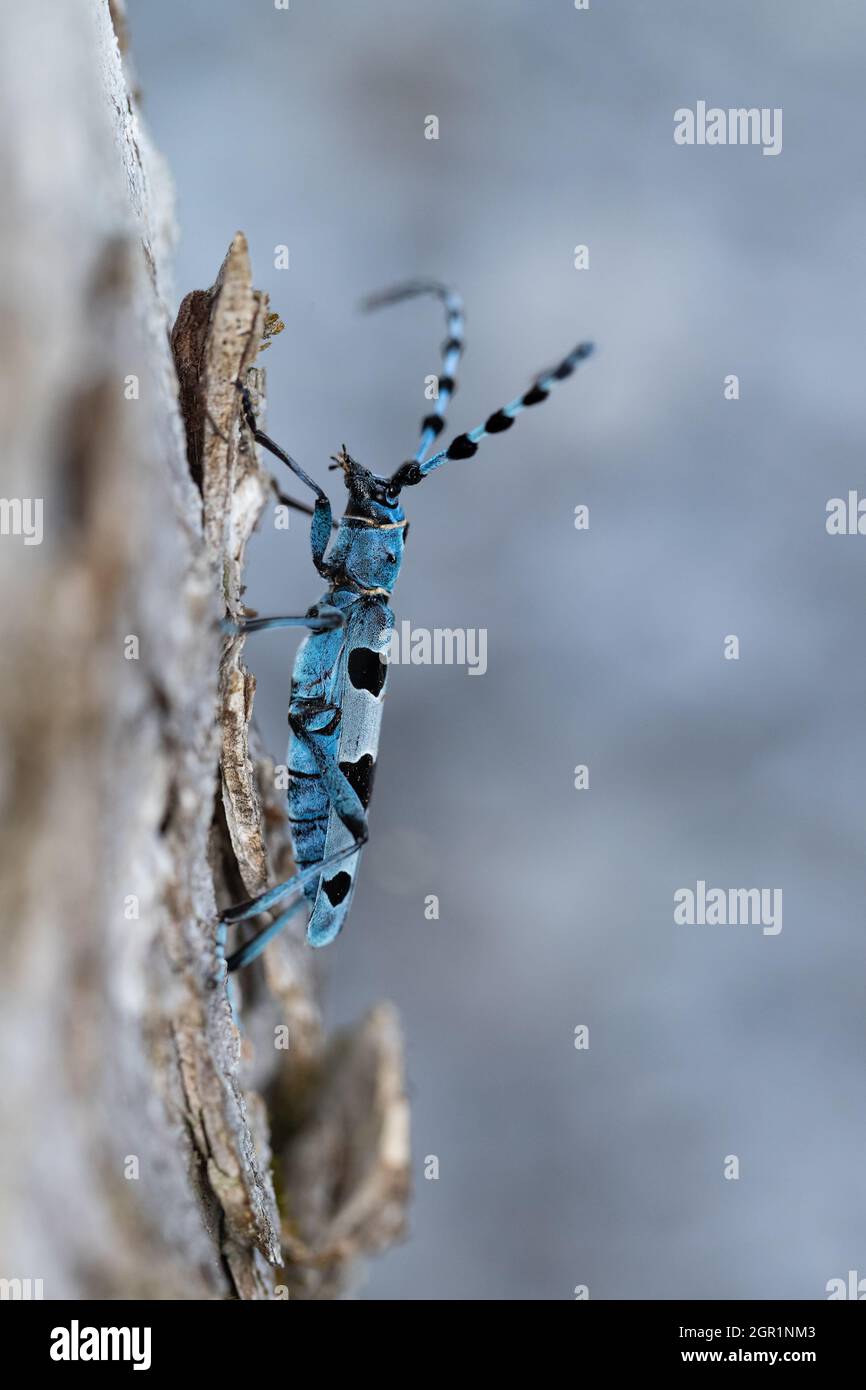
x,y
215,341
339,1114
140,1127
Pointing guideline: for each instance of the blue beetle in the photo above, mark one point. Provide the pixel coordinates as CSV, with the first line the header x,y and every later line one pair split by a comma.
x,y
340,672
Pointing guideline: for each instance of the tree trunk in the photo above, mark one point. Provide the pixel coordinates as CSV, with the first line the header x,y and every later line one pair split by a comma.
x,y
147,1110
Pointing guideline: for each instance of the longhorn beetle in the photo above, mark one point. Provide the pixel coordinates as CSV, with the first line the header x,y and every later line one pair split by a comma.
x,y
335,707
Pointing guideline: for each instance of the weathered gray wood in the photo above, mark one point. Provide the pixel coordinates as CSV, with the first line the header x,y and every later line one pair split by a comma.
x,y
137,1118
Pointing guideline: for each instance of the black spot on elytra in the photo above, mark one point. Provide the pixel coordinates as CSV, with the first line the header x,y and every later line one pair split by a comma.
x,y
359,775
367,670
337,887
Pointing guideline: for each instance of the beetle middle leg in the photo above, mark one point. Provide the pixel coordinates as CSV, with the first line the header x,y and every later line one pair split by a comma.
x,y
324,619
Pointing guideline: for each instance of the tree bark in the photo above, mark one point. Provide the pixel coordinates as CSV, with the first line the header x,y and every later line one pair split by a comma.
x,y
147,1111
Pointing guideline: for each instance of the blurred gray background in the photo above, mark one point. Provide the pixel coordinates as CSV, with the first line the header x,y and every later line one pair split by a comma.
x,y
561,1167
